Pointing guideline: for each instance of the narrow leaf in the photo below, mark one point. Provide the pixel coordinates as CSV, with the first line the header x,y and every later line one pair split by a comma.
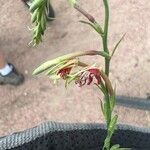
x,y
105,111
113,99
112,125
107,143
115,147
125,149
117,45
102,108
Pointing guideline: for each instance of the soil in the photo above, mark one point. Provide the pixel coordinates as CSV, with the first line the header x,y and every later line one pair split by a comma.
x,y
38,99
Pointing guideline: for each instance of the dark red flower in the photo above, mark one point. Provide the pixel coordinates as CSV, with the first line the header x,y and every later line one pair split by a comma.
x,y
64,72
88,76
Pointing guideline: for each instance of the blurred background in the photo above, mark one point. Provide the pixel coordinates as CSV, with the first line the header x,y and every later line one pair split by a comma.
x,y
38,99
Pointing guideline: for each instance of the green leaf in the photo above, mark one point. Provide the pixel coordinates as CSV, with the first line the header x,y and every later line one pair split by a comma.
x,y
113,100
110,132
102,107
125,149
107,143
117,45
105,110
112,125
115,147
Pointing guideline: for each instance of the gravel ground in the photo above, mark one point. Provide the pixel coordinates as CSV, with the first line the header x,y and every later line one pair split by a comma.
x,y
38,99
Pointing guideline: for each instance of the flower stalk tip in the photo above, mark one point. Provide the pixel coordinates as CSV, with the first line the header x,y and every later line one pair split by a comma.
x,y
87,15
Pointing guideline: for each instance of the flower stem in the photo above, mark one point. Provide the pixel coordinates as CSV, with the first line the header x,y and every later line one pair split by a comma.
x,y
110,120
107,66
106,25
105,37
107,61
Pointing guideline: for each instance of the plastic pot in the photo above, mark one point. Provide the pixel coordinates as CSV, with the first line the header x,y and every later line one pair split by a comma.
x,y
63,136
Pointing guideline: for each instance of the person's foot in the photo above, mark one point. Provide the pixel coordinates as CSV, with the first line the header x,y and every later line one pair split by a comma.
x,y
50,11
13,78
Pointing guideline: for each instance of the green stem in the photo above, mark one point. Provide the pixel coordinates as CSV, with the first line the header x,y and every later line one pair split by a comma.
x,y
107,65
106,26
105,37
107,61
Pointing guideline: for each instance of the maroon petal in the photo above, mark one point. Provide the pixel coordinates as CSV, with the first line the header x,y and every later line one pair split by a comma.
x,y
64,72
90,79
98,78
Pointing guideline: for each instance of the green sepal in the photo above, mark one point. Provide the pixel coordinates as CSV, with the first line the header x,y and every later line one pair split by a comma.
x,y
102,107
98,28
95,26
55,68
69,79
102,87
